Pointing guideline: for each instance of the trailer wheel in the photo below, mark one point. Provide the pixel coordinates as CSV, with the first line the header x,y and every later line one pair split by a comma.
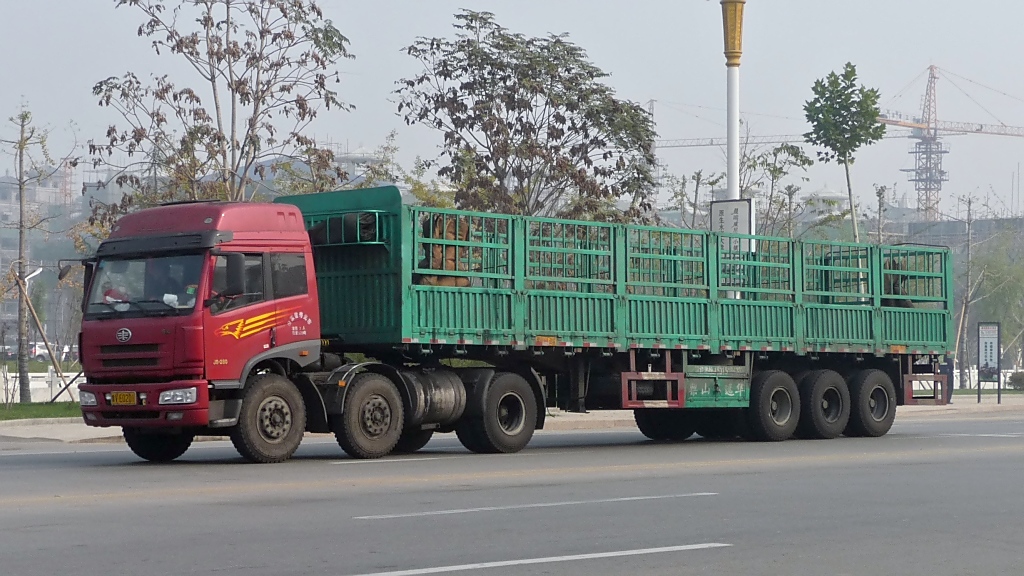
x,y
507,416
717,425
665,425
157,447
650,424
774,406
872,404
272,420
825,405
412,440
371,420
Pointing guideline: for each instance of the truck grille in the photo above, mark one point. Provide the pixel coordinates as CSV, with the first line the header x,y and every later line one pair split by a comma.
x,y
129,362
129,348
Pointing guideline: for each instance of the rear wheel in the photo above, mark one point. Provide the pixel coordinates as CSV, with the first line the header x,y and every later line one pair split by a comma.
x,y
665,425
825,405
412,440
507,416
370,424
156,447
872,404
272,420
717,425
774,406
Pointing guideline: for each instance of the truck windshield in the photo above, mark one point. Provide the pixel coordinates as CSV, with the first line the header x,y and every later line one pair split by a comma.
x,y
149,286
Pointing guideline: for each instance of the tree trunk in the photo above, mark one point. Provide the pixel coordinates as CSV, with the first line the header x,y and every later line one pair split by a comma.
x,y
853,206
23,380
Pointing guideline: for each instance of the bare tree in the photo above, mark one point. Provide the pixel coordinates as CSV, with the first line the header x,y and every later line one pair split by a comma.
x,y
33,165
263,69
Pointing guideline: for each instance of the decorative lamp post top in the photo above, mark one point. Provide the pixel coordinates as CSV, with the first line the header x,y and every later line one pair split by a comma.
x,y
732,20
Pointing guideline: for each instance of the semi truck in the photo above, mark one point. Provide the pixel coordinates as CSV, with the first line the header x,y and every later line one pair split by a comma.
x,y
384,323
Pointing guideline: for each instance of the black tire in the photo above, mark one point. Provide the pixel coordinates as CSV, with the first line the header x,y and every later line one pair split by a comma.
x,y
872,404
504,419
272,420
650,424
824,405
774,406
717,425
412,440
665,425
371,421
156,447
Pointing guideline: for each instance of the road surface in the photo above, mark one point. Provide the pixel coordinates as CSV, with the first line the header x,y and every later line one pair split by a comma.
x,y
934,497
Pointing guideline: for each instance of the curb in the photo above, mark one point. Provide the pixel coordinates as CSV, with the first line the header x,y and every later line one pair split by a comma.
x,y
40,421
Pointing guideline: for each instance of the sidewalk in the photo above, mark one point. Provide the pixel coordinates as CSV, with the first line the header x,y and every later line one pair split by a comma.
x,y
74,430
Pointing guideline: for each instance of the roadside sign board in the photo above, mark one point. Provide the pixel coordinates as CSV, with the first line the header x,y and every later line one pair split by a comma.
x,y
988,352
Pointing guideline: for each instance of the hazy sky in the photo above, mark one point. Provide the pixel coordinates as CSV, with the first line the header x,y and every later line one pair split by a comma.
x,y
53,51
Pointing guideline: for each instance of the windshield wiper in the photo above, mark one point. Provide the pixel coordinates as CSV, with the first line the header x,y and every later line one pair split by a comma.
x,y
152,301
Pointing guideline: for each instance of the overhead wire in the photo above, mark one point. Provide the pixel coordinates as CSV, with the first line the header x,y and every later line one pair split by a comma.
x,y
979,84
971,98
905,88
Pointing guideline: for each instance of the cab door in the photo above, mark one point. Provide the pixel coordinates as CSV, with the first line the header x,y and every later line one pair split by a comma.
x,y
297,308
237,328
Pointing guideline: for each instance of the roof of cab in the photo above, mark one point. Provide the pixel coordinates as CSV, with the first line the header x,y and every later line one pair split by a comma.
x,y
237,217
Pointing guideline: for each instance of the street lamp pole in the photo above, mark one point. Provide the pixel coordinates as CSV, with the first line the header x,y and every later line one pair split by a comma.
x,y
732,21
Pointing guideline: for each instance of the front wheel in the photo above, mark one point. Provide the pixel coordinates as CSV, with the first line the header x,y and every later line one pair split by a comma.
x,y
156,447
272,420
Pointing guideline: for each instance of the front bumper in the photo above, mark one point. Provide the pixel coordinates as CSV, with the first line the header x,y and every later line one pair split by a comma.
x,y
147,412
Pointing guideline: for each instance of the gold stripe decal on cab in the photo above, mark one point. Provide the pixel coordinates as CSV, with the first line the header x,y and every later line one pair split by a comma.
x,y
245,327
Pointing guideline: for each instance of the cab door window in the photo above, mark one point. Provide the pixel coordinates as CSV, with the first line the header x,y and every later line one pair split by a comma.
x,y
254,288
288,275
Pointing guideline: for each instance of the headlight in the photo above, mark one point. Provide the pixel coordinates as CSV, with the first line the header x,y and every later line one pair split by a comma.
x,y
180,396
86,398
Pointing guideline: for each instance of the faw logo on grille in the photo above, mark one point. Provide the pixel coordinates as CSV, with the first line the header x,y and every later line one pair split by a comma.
x,y
123,335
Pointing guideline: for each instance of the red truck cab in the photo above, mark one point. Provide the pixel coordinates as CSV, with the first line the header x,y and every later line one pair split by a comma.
x,y
184,303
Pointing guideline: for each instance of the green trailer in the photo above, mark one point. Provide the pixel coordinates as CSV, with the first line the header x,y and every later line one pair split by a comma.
x,y
696,332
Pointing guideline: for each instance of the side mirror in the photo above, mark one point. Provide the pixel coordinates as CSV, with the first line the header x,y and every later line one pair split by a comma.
x,y
236,274
64,271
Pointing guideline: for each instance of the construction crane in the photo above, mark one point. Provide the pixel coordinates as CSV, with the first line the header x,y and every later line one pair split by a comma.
x,y
927,173
755,140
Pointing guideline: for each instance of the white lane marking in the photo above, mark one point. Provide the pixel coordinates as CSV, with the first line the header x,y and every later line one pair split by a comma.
x,y
390,460
1011,435
525,506
547,560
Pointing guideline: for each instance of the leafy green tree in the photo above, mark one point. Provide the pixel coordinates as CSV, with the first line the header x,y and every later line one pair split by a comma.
x,y
528,126
262,73
844,118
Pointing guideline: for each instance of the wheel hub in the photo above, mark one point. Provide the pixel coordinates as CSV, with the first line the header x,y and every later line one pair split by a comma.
x,y
275,419
781,406
831,405
878,404
376,416
511,413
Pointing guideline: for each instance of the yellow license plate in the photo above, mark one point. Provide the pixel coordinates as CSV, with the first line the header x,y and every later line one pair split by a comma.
x,y
122,399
